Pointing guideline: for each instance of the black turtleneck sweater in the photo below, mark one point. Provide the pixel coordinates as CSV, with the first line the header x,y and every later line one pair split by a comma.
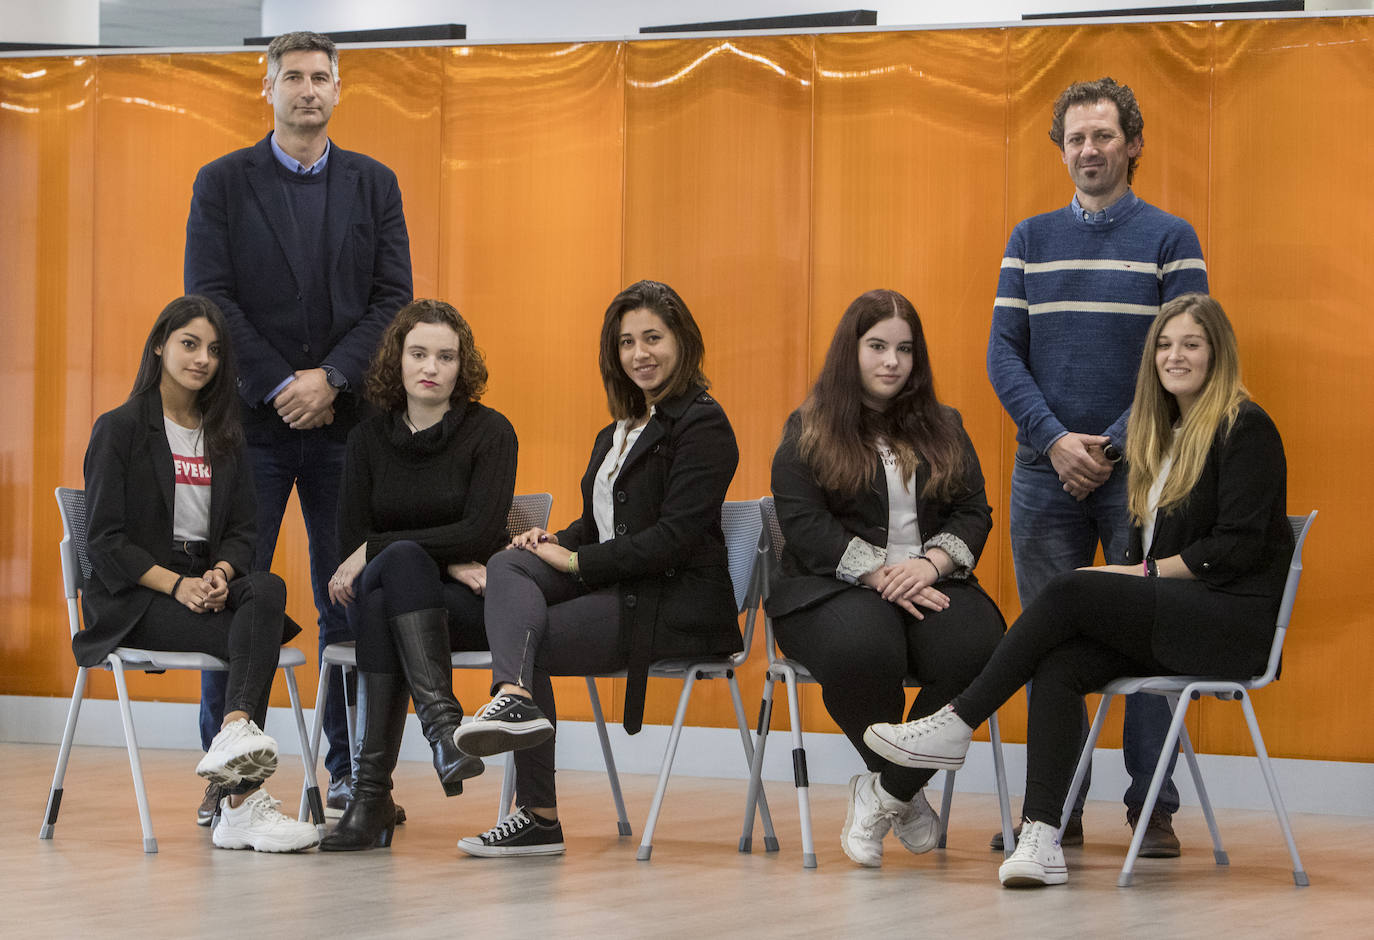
x,y
449,487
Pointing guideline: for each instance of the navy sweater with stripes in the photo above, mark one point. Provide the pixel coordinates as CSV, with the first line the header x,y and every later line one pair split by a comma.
x,y
1074,302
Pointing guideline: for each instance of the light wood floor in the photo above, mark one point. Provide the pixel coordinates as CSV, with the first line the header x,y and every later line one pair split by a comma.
x,y
93,878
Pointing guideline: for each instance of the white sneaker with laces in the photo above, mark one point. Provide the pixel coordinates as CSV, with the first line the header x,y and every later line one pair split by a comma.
x,y
1038,859
915,824
239,752
937,741
257,824
866,822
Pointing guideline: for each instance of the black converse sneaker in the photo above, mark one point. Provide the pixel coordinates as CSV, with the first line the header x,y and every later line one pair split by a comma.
x,y
518,834
506,723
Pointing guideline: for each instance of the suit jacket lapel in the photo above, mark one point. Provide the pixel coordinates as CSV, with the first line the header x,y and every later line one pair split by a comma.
x,y
164,470
262,177
343,191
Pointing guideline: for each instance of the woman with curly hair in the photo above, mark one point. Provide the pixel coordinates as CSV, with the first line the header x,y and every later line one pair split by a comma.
x,y
426,489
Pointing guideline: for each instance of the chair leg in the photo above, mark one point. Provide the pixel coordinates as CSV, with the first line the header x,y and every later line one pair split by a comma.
x,y
1218,851
1084,761
312,786
622,818
799,775
751,795
317,731
770,837
646,844
507,787
145,818
63,753
1152,795
1299,875
999,767
946,800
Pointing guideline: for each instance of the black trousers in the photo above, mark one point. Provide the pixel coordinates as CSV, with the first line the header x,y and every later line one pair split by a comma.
x,y
861,648
247,633
403,578
543,622
1083,630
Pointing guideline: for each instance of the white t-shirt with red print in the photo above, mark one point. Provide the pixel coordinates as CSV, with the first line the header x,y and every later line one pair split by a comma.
x,y
191,508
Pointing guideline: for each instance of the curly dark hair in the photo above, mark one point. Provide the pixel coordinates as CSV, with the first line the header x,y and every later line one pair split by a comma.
x,y
1104,89
384,386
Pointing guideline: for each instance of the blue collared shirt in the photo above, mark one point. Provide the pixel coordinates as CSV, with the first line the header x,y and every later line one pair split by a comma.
x,y
1114,211
296,166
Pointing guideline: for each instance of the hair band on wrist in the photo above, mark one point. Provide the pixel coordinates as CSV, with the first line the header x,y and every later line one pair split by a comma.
x,y
221,570
927,558
176,584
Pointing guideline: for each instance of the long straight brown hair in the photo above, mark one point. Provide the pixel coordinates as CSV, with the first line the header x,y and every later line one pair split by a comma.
x,y
838,431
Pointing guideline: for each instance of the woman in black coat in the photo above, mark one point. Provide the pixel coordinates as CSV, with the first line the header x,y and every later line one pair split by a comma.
x,y
426,490
1207,492
170,532
880,498
641,575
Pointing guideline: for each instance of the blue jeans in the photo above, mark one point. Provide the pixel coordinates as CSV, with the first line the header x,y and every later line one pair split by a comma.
x,y
1051,532
312,463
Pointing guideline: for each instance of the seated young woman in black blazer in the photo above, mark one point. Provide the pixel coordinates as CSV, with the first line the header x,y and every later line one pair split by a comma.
x,y
1207,492
426,489
170,530
641,575
880,497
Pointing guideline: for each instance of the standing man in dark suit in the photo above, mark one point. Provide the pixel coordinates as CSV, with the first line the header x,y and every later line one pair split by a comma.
x,y
303,245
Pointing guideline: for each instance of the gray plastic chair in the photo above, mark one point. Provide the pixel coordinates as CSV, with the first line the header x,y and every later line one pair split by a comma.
x,y
1180,691
792,673
76,569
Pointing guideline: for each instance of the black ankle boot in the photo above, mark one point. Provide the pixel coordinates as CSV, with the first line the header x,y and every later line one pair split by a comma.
x,y
371,815
421,639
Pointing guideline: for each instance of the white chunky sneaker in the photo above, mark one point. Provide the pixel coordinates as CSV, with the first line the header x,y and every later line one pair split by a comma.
x,y
257,824
866,822
239,752
915,824
938,741
1038,859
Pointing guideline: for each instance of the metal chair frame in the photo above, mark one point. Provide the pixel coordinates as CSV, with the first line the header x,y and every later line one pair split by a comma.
x,y
76,570
1179,692
792,673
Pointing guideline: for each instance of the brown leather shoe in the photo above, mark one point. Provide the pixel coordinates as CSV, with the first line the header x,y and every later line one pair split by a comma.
x,y
1160,840
1073,834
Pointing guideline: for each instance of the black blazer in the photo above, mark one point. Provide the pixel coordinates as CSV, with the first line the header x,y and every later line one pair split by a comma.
x,y
819,524
240,255
668,559
1234,535
129,504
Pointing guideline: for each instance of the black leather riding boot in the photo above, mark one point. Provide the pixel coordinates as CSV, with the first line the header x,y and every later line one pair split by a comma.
x,y
421,639
371,815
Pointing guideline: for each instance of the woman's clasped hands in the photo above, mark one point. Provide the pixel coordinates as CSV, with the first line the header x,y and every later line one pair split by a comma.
x,y
910,585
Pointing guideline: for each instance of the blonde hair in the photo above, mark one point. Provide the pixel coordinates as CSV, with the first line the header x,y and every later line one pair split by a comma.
x,y
1150,435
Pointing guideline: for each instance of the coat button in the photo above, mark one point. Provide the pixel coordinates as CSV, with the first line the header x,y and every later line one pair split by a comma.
x,y
621,496
669,573
620,528
657,448
305,347
631,601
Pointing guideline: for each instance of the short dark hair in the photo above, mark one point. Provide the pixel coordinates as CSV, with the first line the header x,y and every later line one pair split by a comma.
x,y
384,386
624,398
218,399
300,42
1104,89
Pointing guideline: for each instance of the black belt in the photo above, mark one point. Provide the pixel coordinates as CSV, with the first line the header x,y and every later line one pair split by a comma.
x,y
192,549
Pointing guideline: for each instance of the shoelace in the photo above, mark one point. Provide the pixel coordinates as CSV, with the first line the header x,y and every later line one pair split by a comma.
x,y
263,805
1031,835
508,826
916,729
494,705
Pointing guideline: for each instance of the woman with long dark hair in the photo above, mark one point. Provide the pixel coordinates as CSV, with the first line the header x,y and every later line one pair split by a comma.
x,y
880,498
1208,559
170,531
426,489
640,575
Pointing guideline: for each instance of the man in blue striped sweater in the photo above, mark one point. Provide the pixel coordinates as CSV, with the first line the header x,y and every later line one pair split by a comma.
x,y
1078,289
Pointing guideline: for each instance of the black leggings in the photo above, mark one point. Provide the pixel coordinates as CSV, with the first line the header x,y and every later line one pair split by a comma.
x,y
401,579
247,633
861,648
1083,630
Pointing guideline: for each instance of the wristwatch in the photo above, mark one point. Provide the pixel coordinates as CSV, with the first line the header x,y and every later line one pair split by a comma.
x,y
335,378
1111,452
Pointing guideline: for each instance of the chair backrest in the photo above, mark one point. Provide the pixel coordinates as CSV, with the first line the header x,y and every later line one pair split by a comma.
x,y
76,562
743,526
528,510
1301,525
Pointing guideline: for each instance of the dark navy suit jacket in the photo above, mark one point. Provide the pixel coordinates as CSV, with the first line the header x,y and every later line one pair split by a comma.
x,y
239,254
